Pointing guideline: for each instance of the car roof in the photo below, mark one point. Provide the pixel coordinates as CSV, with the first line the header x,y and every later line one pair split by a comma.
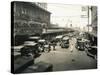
x,y
41,40
65,38
60,36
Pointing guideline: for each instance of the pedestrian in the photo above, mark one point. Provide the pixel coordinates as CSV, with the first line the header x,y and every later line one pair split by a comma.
x,y
49,47
72,45
54,44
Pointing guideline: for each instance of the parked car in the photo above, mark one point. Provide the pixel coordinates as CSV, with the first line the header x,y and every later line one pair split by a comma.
x,y
41,44
30,47
82,43
59,37
92,51
65,42
78,42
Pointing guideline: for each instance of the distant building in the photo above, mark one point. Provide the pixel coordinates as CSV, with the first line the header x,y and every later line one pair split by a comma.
x,y
29,17
86,17
94,19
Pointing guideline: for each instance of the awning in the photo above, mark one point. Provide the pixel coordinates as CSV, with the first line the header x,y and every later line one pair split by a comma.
x,y
34,37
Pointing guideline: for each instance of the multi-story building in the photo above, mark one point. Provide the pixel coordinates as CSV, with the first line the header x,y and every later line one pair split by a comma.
x,y
29,18
94,19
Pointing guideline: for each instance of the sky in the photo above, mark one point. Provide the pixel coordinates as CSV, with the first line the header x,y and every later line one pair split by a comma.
x,y
64,15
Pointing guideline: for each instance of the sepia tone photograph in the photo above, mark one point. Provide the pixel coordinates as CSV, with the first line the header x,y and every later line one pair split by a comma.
x,y
50,37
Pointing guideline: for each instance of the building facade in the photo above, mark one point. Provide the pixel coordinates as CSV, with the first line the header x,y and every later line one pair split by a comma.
x,y
29,18
94,19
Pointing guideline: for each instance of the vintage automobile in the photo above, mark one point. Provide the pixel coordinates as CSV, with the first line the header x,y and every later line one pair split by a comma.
x,y
30,47
81,43
58,38
77,42
65,42
41,44
92,51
